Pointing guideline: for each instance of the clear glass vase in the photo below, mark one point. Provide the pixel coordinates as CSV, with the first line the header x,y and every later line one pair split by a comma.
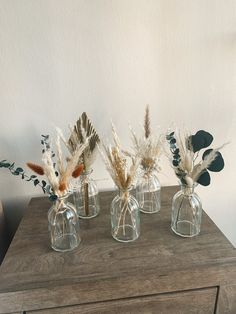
x,y
148,192
186,212
63,224
86,198
125,218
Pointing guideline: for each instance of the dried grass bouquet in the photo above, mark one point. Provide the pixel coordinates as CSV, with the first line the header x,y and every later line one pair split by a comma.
x,y
122,168
124,207
58,173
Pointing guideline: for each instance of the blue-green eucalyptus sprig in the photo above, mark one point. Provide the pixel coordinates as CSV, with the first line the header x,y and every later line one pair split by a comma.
x,y
18,171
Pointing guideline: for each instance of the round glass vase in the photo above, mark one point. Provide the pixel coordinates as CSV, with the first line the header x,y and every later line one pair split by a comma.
x,y
125,218
186,212
63,225
148,192
85,195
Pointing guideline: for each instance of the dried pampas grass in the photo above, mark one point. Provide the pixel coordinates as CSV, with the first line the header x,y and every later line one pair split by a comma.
x,y
122,169
147,147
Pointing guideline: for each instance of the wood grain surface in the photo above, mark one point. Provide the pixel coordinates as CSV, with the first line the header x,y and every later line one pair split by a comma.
x,y
33,276
192,302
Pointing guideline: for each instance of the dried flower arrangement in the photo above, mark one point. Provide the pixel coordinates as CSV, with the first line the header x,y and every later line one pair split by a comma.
x,y
123,171
117,163
84,131
148,147
58,173
184,152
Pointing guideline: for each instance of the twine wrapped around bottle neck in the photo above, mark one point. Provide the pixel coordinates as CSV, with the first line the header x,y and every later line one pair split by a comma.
x,y
187,189
60,201
125,193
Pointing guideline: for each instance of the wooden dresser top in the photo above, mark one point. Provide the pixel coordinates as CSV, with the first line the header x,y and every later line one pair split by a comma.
x,y
104,269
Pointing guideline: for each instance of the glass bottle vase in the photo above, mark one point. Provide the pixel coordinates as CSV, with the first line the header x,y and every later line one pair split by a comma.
x,y
186,212
85,195
125,218
148,192
63,224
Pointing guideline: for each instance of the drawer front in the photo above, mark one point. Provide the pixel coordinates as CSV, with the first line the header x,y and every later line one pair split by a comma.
x,y
198,301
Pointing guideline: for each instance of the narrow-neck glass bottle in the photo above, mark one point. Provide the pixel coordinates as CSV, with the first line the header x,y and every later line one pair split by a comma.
x,y
186,212
148,192
63,223
125,218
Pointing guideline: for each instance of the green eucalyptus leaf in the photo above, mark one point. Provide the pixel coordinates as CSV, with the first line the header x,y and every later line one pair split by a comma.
x,y
217,164
19,169
5,165
175,162
204,178
36,182
195,143
207,137
201,139
44,183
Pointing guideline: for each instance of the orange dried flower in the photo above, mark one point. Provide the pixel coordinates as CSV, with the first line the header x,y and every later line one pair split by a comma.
x,y
62,186
36,168
77,172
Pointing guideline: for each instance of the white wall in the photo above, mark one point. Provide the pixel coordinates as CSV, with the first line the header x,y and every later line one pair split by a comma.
x,y
59,58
